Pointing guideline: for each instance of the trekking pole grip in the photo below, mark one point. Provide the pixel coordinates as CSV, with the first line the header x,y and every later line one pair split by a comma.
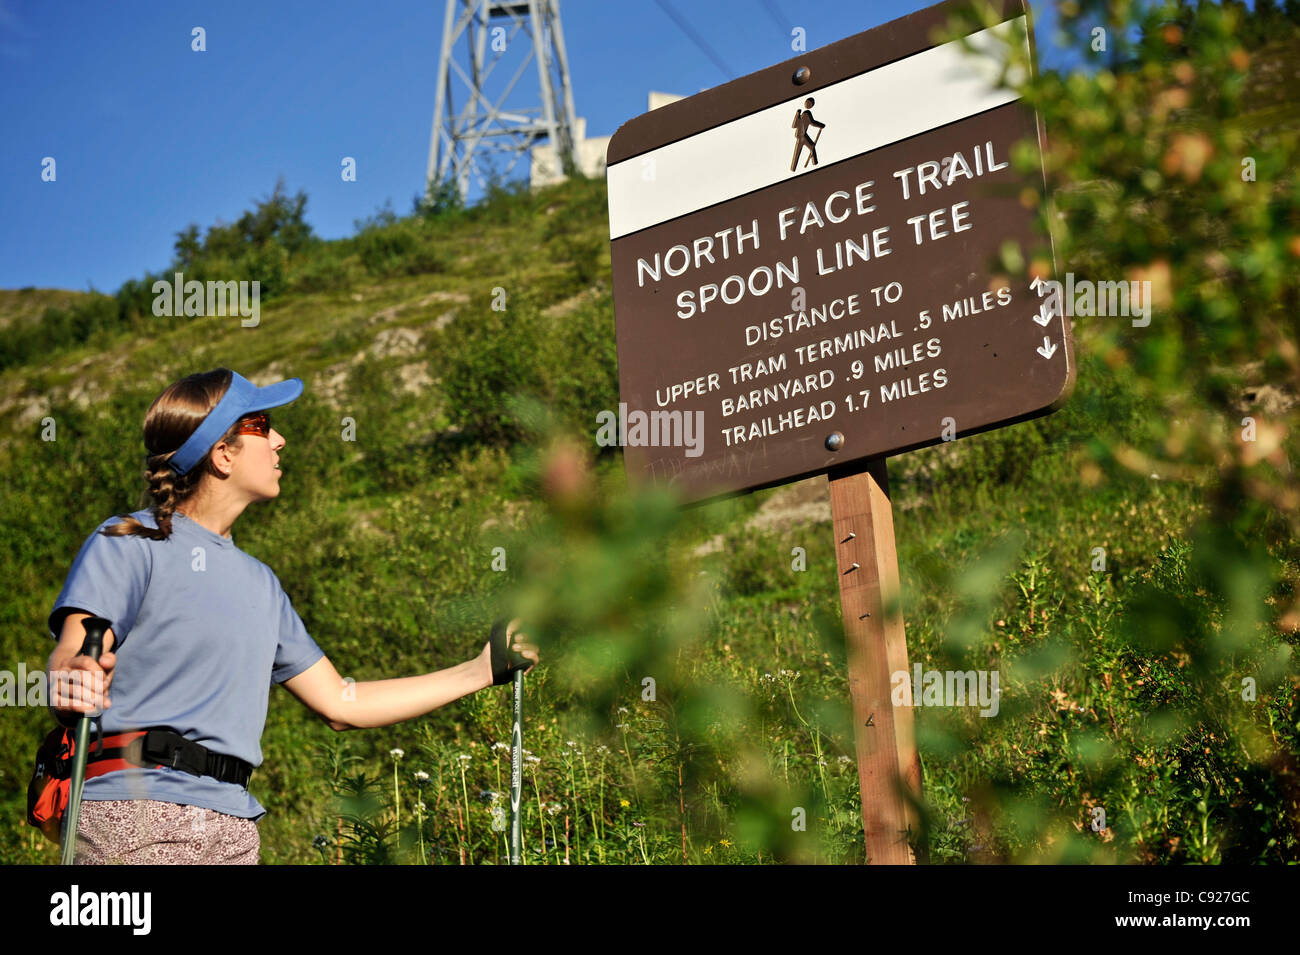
x,y
93,645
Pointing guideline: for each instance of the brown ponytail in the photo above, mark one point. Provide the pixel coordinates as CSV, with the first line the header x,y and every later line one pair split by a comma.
x,y
174,416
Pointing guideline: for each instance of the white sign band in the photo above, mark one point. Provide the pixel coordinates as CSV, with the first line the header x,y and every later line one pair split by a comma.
x,y
862,113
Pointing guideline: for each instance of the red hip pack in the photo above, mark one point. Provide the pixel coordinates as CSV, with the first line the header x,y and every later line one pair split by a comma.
x,y
48,792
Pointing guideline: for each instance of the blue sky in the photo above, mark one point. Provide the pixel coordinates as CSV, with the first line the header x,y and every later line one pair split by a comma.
x,y
148,135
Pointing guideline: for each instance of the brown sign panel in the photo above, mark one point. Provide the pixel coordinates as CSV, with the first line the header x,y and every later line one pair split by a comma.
x,y
803,264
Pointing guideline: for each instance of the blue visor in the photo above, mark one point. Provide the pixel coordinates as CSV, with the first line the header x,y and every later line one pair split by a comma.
x,y
241,398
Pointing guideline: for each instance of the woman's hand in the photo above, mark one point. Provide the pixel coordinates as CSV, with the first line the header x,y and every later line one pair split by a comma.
x,y
520,643
78,685
517,642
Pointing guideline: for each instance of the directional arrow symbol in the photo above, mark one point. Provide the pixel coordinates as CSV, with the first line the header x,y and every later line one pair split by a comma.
x,y
1046,349
1044,315
1038,285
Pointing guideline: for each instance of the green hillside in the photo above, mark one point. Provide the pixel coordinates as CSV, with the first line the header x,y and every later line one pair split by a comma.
x,y
1156,683
28,304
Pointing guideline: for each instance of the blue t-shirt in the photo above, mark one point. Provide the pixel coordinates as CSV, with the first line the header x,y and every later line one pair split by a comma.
x,y
202,631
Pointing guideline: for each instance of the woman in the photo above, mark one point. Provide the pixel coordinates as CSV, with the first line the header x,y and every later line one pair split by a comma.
x,y
201,630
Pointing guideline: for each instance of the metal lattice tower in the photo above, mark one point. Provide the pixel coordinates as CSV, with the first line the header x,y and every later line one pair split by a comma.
x,y
467,145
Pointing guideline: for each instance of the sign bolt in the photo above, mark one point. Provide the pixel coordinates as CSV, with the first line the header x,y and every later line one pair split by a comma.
x,y
834,441
801,76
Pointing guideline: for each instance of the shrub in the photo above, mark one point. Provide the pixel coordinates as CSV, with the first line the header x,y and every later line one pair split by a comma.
x,y
490,356
387,246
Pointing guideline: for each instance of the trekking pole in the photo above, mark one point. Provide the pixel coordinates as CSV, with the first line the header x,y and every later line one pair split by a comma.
x,y
91,647
504,660
516,766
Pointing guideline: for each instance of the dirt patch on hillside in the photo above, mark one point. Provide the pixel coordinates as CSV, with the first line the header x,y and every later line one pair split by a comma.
x,y
801,504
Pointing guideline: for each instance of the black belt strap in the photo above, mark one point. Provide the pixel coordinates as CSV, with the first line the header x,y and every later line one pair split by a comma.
x,y
168,748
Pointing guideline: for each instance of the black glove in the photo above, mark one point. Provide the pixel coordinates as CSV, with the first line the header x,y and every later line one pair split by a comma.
x,y
505,661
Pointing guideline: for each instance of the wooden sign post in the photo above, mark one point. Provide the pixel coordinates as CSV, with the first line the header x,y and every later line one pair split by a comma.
x,y
889,768
805,283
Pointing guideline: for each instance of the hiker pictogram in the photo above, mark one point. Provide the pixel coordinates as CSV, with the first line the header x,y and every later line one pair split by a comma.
x,y
803,118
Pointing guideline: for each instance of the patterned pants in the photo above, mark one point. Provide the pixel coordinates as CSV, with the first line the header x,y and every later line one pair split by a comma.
x,y
148,832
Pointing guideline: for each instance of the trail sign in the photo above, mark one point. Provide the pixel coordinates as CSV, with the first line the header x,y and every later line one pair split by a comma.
x,y
804,282
803,263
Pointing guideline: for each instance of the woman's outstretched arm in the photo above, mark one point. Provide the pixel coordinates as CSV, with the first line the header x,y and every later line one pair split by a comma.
x,y
346,706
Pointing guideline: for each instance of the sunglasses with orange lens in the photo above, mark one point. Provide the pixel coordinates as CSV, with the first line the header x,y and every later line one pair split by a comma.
x,y
259,424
